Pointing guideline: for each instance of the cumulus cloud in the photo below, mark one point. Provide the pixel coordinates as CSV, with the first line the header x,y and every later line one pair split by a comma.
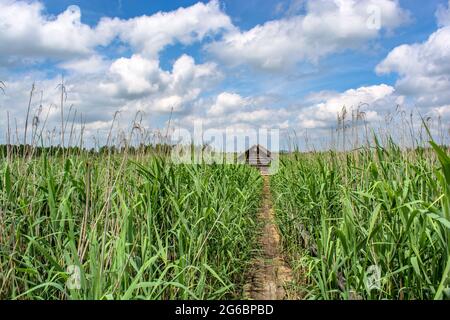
x,y
327,27
148,35
27,32
89,65
128,86
231,110
138,77
373,102
227,102
319,112
424,69
98,86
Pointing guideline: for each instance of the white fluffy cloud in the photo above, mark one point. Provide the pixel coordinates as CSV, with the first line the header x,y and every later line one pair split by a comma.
x,y
138,78
373,101
231,110
27,32
150,34
327,27
97,86
424,69
227,102
88,65
320,111
424,73
128,86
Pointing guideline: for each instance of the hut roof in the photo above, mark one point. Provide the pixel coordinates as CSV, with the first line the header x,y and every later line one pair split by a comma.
x,y
257,149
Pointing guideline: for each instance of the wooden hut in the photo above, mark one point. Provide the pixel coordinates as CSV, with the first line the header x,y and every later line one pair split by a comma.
x,y
257,156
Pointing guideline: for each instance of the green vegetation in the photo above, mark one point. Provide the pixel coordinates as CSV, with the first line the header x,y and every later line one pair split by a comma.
x,y
341,213
138,227
372,223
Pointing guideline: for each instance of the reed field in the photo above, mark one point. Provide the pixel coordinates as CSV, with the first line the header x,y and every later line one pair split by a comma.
x,y
209,158
137,227
373,223
122,222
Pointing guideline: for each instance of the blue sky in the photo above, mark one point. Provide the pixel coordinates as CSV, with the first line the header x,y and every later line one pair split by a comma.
x,y
288,64
352,68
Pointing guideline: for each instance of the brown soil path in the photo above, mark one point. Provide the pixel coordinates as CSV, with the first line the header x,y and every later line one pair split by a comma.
x,y
270,274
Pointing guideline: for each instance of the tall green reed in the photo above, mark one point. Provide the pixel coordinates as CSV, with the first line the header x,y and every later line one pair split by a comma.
x,y
344,215
137,227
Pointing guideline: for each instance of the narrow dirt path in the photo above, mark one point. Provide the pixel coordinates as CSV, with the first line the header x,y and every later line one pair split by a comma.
x,y
270,274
